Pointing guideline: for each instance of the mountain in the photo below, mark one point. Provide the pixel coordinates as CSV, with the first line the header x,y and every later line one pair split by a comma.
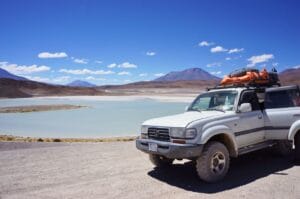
x,y
290,76
80,83
11,88
144,85
5,74
188,74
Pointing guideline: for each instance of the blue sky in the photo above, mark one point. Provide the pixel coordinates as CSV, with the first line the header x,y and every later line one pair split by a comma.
x,y
120,41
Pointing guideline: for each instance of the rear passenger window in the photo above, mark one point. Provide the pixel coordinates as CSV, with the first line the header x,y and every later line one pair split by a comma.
x,y
282,99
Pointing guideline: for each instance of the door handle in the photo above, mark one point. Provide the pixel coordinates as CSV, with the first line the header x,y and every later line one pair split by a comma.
x,y
260,117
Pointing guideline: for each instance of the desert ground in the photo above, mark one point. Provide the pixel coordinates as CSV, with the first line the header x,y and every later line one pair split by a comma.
x,y
118,170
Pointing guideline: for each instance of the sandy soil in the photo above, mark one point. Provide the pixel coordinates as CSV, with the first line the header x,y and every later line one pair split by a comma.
x,y
118,170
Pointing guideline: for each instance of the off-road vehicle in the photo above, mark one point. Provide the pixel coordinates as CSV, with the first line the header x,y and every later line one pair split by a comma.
x,y
223,123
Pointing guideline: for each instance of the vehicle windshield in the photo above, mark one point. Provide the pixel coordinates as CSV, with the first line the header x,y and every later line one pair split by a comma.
x,y
220,101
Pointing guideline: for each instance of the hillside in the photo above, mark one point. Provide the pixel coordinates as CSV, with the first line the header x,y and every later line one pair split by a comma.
x,y
187,75
164,84
290,76
11,88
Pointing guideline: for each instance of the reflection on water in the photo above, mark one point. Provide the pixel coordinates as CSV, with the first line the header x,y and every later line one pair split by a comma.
x,y
101,119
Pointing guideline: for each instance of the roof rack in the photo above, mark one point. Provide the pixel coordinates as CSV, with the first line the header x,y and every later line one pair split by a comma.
x,y
248,86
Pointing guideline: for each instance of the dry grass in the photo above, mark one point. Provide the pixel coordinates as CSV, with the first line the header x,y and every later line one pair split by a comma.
x,y
10,138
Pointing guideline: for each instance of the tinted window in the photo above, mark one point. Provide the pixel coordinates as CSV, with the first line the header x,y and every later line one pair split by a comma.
x,y
282,99
250,97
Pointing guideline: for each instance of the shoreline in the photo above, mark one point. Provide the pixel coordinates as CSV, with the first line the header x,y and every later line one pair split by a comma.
x,y
184,98
12,138
38,108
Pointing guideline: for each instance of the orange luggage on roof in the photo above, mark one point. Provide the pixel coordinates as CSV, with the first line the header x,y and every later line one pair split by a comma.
x,y
251,76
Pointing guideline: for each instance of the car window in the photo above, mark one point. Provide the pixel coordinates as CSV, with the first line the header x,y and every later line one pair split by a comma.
x,y
282,99
214,100
250,97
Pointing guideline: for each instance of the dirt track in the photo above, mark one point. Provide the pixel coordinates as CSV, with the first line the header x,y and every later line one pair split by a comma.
x,y
118,170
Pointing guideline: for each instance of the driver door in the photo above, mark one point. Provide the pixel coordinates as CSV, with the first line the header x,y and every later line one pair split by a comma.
x,y
249,127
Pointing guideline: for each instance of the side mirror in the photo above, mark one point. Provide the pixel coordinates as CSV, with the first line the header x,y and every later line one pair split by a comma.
x,y
245,107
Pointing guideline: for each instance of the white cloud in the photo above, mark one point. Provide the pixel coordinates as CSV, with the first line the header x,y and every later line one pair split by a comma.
x,y
113,65
150,53
228,58
159,74
61,79
235,50
275,64
216,72
296,67
95,78
214,64
81,61
122,65
46,55
127,80
124,73
86,72
38,79
143,74
205,43
218,49
259,59
23,69
127,65
98,62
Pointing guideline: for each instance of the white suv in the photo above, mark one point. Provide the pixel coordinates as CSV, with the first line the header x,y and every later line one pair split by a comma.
x,y
224,123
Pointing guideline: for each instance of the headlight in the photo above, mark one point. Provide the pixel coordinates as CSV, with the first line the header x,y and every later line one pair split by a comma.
x,y
190,133
177,132
183,133
144,132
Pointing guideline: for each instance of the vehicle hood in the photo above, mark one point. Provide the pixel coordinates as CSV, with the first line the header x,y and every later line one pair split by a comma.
x,y
181,120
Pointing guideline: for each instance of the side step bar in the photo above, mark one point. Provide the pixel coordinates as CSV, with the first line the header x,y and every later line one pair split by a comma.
x,y
255,147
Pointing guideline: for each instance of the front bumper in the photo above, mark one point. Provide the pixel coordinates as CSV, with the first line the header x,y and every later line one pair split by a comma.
x,y
170,150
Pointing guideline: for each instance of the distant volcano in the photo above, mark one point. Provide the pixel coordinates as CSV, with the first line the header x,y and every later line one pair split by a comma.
x,y
80,83
188,74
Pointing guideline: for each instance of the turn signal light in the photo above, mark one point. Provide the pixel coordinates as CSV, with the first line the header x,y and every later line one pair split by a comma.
x,y
179,141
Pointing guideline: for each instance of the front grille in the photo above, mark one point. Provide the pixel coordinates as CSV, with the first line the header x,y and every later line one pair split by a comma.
x,y
161,134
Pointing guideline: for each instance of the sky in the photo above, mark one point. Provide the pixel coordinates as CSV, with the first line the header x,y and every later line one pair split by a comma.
x,y
121,41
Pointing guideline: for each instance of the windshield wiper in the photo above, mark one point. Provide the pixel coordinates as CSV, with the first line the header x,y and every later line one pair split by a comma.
x,y
215,109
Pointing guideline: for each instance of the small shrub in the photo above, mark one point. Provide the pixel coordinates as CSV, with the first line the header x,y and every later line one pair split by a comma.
x,y
56,140
40,140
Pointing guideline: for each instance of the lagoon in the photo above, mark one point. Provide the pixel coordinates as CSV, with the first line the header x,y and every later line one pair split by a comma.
x,y
103,117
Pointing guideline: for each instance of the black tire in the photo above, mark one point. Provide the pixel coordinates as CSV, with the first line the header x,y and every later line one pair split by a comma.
x,y
297,147
160,161
283,147
213,164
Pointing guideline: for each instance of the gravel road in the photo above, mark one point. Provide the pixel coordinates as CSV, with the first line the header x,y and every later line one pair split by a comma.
x,y
118,170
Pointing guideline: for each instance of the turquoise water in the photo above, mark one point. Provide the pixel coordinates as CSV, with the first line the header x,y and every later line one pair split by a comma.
x,y
100,119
